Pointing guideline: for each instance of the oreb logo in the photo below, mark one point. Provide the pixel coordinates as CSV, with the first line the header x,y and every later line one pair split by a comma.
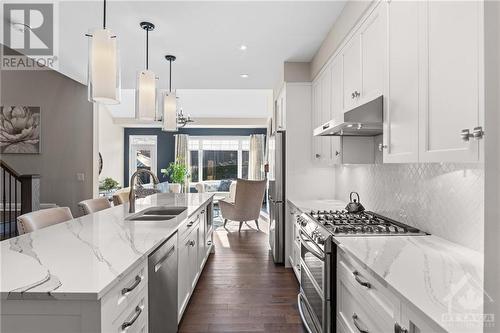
x,y
28,34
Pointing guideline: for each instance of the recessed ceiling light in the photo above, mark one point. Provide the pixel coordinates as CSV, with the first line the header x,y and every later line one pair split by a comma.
x,y
243,47
244,76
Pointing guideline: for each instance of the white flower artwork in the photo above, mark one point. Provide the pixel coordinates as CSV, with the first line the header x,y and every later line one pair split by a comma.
x,y
19,129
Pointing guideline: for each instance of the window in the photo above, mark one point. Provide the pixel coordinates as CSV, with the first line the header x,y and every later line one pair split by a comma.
x,y
142,155
213,159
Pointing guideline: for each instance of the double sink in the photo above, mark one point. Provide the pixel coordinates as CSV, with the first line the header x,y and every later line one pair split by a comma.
x,y
158,213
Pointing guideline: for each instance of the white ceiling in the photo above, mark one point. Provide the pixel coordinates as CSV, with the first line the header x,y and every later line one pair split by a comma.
x,y
209,103
205,36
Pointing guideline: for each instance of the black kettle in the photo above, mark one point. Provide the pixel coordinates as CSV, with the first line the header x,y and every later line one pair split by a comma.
x,y
354,206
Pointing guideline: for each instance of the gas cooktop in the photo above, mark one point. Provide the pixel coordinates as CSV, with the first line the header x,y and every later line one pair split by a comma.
x,y
343,223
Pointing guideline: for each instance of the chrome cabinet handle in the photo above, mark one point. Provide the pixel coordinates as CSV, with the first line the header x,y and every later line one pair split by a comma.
x,y
209,242
138,280
318,155
381,146
325,126
465,135
355,94
355,321
138,311
477,133
192,243
399,329
365,284
337,153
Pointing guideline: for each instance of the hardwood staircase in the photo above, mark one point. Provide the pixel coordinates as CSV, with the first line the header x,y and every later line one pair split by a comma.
x,y
19,194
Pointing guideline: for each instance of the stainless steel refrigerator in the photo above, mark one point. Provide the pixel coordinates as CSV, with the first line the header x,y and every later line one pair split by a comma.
x,y
276,194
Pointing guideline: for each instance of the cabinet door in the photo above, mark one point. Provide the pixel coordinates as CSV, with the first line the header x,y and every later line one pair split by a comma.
x,y
316,119
402,97
201,245
337,107
183,275
351,61
194,268
452,72
373,53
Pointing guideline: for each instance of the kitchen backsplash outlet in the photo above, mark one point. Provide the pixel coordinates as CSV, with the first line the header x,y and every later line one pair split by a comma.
x,y
444,199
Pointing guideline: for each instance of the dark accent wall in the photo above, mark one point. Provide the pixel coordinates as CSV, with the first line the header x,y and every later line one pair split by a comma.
x,y
166,143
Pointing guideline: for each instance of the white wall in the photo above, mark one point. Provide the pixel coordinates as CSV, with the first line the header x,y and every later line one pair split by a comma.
x,y
111,145
66,134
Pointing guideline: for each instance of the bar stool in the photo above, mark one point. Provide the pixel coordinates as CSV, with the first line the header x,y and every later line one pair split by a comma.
x,y
94,205
42,218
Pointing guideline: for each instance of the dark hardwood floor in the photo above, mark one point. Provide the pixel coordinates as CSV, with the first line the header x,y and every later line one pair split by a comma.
x,y
241,290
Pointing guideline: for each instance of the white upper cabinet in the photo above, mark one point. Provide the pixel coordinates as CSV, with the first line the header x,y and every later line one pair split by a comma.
x,y
402,95
337,106
321,92
452,79
351,61
373,53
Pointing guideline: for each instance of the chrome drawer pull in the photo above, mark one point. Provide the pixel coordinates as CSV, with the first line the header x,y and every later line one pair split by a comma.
x,y
138,311
355,321
361,282
399,329
138,280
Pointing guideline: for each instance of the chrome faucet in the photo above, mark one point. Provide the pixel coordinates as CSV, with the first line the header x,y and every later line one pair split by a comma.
x,y
131,196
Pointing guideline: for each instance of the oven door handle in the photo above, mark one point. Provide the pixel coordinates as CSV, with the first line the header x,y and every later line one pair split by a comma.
x,y
300,301
316,252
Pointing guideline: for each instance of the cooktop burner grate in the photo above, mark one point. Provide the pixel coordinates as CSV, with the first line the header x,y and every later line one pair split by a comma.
x,y
365,223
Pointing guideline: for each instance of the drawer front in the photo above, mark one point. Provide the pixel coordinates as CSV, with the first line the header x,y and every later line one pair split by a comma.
x,y
134,319
119,298
353,316
191,224
377,300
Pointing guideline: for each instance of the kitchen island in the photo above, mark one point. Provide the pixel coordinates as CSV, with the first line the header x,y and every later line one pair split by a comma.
x,y
70,277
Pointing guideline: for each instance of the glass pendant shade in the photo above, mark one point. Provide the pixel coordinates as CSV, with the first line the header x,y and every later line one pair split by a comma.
x,y
169,112
145,96
103,68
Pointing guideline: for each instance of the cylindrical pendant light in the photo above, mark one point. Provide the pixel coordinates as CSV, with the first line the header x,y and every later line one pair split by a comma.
x,y
170,103
103,66
145,93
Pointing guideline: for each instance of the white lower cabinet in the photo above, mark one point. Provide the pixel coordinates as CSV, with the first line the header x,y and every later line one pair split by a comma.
x,y
366,305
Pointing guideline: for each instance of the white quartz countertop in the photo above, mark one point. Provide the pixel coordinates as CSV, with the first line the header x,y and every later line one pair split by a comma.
x,y
441,279
81,259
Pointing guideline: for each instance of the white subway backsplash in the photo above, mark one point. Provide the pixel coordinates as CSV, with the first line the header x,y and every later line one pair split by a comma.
x,y
444,199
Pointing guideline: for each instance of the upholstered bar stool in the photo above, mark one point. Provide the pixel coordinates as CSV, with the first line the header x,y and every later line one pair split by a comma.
x,y
120,198
42,218
94,205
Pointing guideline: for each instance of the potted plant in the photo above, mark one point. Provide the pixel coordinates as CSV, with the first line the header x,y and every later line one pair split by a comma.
x,y
108,184
178,173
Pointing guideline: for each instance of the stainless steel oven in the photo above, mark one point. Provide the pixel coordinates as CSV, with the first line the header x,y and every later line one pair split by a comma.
x,y
316,300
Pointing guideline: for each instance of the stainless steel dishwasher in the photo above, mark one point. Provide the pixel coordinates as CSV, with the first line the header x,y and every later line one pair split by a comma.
x,y
162,287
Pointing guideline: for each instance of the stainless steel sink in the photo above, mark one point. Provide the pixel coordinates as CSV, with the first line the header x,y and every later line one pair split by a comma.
x,y
150,218
159,213
164,210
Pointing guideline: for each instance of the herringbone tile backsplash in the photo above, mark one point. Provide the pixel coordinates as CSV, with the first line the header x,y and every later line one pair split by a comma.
x,y
444,199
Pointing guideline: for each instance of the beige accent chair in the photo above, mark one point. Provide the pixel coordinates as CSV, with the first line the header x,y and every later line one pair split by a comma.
x,y
247,202
94,205
200,187
119,198
42,218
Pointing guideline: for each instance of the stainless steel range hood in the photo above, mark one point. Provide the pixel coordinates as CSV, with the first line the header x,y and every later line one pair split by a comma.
x,y
365,119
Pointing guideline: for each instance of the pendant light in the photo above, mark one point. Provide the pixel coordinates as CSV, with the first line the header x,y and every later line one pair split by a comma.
x,y
145,93
170,103
103,66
